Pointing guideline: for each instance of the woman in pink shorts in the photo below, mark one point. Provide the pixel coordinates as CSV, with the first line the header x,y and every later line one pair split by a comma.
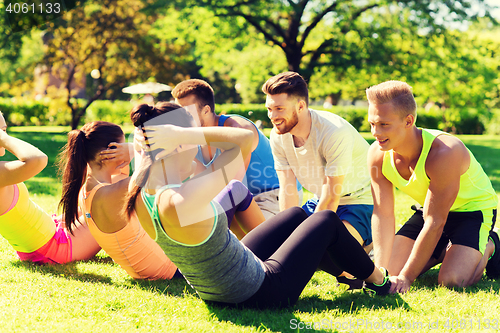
x,y
34,234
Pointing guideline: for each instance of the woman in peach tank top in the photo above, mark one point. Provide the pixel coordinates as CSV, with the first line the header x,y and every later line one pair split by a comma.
x,y
96,188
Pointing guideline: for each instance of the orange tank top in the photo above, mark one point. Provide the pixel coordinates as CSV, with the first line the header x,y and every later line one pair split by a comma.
x,y
131,247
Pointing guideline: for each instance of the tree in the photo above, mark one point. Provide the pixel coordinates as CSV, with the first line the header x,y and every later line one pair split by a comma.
x,y
111,38
233,57
291,25
17,20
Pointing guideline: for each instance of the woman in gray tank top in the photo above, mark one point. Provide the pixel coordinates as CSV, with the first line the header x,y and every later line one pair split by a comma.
x,y
272,264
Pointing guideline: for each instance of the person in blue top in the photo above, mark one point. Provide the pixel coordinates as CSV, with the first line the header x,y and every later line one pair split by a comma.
x,y
261,178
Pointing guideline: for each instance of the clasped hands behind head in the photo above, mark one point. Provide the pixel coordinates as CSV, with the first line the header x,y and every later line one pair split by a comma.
x,y
153,137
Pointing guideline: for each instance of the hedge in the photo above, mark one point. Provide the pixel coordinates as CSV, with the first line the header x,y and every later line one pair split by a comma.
x,y
465,121
51,112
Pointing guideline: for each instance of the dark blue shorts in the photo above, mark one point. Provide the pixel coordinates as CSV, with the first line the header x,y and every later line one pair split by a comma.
x,y
359,216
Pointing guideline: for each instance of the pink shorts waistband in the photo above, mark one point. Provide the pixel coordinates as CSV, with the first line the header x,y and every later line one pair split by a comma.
x,y
58,250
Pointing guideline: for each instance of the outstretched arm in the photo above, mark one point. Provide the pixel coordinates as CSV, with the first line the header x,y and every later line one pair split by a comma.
x,y
30,161
234,142
383,219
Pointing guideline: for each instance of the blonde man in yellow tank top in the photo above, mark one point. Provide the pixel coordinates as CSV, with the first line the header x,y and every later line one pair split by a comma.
x,y
455,225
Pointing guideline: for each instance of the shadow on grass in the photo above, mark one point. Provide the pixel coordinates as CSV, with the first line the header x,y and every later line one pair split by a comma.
x,y
350,303
99,259
344,305
177,287
275,320
285,319
68,271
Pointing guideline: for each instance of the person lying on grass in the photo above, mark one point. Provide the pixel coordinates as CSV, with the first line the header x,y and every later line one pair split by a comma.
x,y
34,234
88,189
273,263
236,199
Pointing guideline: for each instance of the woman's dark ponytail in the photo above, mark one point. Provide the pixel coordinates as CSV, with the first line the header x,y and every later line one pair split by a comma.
x,y
74,170
82,147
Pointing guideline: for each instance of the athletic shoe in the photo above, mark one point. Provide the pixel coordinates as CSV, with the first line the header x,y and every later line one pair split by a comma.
x,y
493,265
352,283
376,289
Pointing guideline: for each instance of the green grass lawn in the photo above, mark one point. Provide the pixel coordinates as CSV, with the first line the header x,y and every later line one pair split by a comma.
x,y
97,296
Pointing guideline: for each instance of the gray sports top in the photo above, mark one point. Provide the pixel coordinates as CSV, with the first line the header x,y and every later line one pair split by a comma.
x,y
220,268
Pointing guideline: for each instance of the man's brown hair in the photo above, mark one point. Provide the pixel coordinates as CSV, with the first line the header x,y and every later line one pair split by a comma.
x,y
290,83
200,89
396,92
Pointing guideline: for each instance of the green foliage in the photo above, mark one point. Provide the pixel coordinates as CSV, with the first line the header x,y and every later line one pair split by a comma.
x,y
313,34
34,13
492,122
111,36
457,71
462,121
47,112
457,121
28,112
23,113
254,112
20,68
216,47
113,111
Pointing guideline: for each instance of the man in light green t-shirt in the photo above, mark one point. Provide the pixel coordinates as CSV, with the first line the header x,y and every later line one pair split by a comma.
x,y
455,225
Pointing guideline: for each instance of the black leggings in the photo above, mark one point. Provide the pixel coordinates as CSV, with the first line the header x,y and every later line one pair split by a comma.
x,y
292,245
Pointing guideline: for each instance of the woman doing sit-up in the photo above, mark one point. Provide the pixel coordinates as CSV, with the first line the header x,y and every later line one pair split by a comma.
x,y
32,232
88,187
272,264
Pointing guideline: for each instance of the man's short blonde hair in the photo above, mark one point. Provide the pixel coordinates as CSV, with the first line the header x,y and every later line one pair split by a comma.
x,y
396,92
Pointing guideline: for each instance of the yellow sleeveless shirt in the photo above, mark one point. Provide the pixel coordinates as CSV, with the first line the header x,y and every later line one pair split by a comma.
x,y
475,193
26,226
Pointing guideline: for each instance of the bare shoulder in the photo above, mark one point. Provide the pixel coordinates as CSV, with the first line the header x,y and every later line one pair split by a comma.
x,y
116,190
446,146
240,122
446,151
375,155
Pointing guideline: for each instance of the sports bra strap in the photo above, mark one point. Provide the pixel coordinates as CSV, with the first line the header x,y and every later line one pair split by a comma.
x,y
88,197
222,119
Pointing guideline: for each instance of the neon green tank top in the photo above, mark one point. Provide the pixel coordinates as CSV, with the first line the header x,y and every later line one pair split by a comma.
x,y
475,193
26,226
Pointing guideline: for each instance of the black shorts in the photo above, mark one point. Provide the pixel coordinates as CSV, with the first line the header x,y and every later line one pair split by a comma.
x,y
461,228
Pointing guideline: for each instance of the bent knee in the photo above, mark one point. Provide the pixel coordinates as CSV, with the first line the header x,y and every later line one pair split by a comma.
x,y
297,210
236,184
329,215
452,279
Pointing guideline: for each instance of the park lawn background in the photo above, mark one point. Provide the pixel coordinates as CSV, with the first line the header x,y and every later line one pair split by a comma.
x,y
98,296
